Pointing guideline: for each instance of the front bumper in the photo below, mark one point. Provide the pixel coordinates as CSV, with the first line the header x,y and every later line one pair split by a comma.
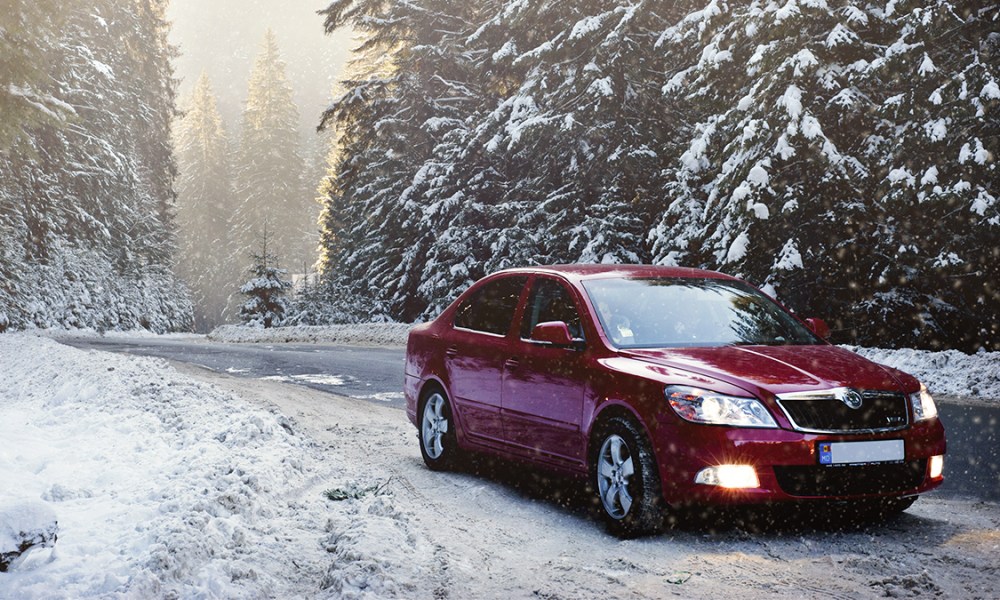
x,y
787,464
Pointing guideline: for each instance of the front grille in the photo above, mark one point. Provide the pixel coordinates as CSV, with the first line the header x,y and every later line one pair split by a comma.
x,y
880,411
849,480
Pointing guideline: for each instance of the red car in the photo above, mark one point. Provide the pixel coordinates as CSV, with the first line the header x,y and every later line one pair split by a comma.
x,y
666,386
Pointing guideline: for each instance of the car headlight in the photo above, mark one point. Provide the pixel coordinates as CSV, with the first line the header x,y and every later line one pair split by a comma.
x,y
923,404
704,406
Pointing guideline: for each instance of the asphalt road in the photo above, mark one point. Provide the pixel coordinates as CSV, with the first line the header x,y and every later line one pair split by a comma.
x,y
972,467
373,374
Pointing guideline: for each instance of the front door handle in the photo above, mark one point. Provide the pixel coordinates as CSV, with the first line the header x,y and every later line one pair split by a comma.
x,y
451,350
512,363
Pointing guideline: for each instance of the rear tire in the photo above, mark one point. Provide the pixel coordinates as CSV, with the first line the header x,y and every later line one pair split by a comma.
x,y
438,442
623,469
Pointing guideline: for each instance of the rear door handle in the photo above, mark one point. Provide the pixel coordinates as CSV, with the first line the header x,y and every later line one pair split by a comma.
x,y
451,350
512,363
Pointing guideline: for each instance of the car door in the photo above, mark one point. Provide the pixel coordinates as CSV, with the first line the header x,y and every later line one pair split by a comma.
x,y
543,385
475,349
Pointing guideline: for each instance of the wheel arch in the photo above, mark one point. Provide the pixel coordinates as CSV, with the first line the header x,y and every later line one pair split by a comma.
x,y
608,412
430,384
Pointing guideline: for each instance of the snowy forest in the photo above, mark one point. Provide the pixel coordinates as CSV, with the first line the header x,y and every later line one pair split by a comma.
x,y
841,155
87,235
233,196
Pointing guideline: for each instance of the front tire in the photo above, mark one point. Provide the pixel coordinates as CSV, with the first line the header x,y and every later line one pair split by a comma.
x,y
438,442
623,467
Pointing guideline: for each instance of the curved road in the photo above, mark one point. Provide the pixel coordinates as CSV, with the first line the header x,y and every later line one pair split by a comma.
x,y
374,374
972,467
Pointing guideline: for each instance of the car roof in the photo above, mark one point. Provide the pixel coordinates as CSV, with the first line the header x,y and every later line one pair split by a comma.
x,y
590,271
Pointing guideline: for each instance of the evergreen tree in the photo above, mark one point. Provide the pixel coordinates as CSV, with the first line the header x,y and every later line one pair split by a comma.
x,y
840,155
265,290
935,260
812,128
408,96
767,182
26,101
206,203
270,167
86,217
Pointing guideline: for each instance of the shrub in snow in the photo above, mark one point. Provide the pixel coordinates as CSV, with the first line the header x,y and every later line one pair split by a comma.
x,y
24,526
265,291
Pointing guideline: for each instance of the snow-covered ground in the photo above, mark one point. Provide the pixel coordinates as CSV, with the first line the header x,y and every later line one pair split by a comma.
x,y
166,487
193,484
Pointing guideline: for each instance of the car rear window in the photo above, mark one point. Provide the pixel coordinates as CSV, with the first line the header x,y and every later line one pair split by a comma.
x,y
491,308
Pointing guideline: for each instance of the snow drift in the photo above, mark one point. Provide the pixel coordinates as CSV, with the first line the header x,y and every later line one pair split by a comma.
x,y
164,487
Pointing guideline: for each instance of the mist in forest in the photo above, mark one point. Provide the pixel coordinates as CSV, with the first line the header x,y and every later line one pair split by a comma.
x,y
222,38
255,78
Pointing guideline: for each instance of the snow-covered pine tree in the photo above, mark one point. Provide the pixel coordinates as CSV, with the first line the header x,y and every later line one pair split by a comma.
x,y
410,92
578,128
89,210
269,165
266,304
775,136
26,101
771,180
153,108
816,163
205,204
509,179
934,150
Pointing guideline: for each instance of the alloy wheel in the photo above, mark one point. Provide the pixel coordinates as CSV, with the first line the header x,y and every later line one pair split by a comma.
x,y
615,468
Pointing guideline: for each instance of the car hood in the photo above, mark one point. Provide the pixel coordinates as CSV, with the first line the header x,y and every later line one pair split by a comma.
x,y
780,369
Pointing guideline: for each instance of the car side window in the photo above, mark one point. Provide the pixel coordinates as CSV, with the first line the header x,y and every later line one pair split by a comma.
x,y
550,301
491,309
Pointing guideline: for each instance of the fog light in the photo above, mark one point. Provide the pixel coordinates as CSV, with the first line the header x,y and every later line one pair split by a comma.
x,y
729,476
936,467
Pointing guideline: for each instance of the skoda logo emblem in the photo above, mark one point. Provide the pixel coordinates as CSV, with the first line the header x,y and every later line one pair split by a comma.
x,y
852,398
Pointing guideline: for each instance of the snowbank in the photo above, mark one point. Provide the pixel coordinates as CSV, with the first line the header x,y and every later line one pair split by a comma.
x,y
62,334
165,487
359,334
948,373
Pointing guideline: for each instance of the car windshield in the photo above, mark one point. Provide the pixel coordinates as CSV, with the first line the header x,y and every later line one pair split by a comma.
x,y
680,312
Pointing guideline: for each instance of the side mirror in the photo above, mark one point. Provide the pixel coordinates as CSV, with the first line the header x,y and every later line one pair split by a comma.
x,y
552,332
819,327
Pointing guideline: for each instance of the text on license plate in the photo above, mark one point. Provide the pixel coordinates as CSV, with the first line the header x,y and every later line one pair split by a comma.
x,y
845,453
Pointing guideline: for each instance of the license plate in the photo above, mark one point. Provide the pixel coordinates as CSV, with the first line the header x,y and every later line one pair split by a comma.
x,y
856,453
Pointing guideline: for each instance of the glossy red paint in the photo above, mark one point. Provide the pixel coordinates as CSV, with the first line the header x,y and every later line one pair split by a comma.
x,y
532,400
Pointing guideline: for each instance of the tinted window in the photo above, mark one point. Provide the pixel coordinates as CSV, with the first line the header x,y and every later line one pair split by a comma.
x,y
665,312
491,309
550,301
